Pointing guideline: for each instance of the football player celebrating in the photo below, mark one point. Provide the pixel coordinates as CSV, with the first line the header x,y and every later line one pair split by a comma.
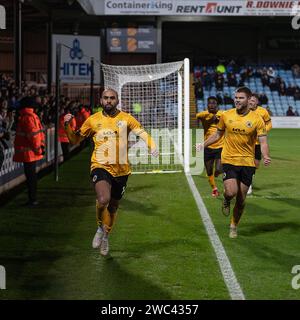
x,y
253,105
109,163
212,154
240,127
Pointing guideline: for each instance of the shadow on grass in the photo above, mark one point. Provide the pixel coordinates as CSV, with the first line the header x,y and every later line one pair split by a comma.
x,y
27,273
262,228
145,208
270,256
127,286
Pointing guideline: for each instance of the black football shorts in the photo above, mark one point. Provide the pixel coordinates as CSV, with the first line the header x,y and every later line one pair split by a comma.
x,y
118,184
241,173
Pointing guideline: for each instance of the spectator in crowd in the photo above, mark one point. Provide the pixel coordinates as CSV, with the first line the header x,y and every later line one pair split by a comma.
x,y
206,79
246,74
263,98
257,73
265,80
290,112
221,68
232,67
219,81
241,83
4,131
296,70
297,93
197,73
296,113
274,85
2,137
271,73
198,90
290,91
228,99
231,80
29,145
282,90
243,75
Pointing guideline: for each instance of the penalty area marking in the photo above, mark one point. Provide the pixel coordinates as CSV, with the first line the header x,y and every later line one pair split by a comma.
x,y
234,288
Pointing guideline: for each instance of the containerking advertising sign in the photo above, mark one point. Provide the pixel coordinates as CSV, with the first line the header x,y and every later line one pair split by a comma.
x,y
173,7
201,7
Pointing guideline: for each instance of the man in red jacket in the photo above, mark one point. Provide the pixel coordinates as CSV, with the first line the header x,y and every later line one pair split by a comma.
x,y
29,145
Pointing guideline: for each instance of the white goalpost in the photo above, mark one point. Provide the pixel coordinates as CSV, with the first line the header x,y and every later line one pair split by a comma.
x,y
157,96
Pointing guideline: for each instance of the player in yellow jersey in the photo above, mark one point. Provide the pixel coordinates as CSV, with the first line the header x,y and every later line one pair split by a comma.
x,y
109,163
253,105
240,127
212,154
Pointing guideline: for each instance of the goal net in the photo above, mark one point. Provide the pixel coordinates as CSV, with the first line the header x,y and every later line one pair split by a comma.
x,y
158,97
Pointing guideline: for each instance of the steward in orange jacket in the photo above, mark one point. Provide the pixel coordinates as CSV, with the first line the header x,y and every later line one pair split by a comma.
x,y
29,144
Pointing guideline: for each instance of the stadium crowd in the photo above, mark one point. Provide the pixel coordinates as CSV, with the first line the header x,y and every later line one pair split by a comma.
x,y
44,105
233,74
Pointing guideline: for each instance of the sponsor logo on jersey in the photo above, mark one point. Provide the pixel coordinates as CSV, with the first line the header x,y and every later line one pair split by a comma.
x,y
120,124
249,124
237,130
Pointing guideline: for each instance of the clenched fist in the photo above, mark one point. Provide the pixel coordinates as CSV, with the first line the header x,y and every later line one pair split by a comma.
x,y
67,118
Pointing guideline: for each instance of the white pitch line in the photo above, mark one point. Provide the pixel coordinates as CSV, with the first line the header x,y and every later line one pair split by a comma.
x,y
234,288
283,197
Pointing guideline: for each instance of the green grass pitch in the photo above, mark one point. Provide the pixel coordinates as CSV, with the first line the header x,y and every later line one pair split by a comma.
x,y
159,247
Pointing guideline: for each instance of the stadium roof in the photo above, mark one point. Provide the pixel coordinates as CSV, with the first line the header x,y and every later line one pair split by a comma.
x,y
38,11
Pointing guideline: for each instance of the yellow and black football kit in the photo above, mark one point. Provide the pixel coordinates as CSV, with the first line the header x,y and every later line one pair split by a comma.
x,y
240,135
210,126
213,152
110,136
109,160
268,123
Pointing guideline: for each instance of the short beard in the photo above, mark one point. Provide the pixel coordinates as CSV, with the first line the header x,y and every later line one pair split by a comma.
x,y
242,110
111,111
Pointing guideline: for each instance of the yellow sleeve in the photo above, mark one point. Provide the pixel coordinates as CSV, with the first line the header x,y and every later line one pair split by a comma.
x,y
267,120
260,127
138,130
221,123
86,129
77,136
268,125
200,115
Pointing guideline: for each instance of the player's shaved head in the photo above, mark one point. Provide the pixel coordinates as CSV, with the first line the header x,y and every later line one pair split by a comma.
x,y
109,101
109,90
